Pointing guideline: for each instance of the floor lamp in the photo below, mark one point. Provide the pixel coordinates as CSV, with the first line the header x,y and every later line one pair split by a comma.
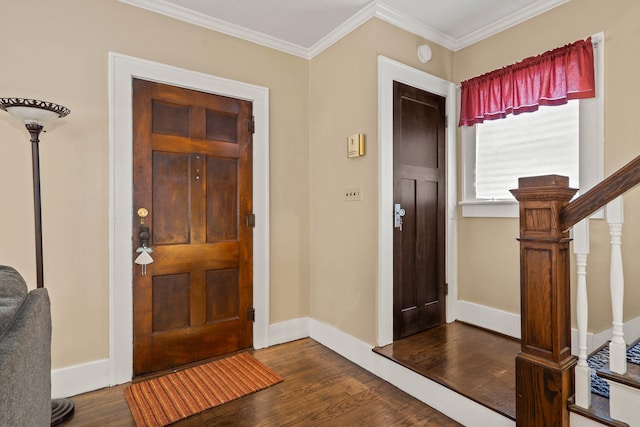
x,y
34,114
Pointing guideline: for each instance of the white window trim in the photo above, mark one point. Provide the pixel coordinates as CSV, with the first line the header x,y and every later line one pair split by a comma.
x,y
591,150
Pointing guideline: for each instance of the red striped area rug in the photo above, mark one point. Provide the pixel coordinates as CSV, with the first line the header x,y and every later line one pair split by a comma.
x,y
164,400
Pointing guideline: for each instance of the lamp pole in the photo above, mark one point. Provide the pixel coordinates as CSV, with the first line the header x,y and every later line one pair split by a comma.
x,y
35,129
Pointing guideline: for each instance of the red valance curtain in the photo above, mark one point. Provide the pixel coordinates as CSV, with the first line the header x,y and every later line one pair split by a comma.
x,y
551,78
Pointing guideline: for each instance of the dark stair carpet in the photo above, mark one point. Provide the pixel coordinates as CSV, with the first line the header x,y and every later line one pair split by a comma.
x,y
600,359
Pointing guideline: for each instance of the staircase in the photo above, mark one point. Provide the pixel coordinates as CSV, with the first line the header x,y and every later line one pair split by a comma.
x,y
624,394
547,375
611,392
622,405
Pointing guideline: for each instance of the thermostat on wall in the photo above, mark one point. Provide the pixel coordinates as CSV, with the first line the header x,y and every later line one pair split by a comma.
x,y
355,145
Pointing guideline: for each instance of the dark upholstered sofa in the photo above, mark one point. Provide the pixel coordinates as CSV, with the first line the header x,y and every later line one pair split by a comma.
x,y
25,352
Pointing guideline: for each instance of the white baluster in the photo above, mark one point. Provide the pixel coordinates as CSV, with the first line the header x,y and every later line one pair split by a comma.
x,y
617,347
582,374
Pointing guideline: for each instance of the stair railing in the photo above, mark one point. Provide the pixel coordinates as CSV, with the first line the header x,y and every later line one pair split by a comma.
x,y
545,367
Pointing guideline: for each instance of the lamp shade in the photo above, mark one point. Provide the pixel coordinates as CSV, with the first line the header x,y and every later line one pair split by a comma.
x,y
33,111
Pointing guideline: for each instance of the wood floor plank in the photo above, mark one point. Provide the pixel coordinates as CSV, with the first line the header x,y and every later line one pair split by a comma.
x,y
320,388
474,362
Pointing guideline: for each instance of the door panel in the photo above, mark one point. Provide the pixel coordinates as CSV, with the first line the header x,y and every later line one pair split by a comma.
x,y
192,171
407,273
419,187
170,119
170,302
222,295
171,215
222,196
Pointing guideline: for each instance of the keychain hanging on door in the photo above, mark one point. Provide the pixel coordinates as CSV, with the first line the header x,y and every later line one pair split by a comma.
x,y
144,258
144,250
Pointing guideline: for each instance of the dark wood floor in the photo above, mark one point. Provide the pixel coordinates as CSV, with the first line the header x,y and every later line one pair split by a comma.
x,y
474,362
320,388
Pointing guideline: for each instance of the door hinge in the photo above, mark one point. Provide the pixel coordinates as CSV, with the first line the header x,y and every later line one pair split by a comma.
x,y
251,220
252,125
251,314
446,289
446,121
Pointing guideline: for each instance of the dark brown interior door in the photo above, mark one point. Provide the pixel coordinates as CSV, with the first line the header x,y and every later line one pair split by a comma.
x,y
419,188
192,167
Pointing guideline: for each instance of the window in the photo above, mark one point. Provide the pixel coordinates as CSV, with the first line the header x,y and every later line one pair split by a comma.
x,y
540,143
562,140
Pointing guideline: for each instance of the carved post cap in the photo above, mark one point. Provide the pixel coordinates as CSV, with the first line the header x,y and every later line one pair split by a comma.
x,y
546,187
544,181
542,198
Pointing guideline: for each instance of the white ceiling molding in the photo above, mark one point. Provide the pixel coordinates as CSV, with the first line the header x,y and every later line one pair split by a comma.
x,y
375,8
412,25
506,22
344,29
200,19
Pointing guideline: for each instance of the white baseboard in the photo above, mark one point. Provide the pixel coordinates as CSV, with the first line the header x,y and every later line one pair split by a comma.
x,y
632,330
427,391
289,330
631,334
489,318
78,379
509,324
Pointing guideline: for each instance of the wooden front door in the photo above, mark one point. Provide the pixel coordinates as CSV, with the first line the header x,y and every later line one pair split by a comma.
x,y
419,189
192,163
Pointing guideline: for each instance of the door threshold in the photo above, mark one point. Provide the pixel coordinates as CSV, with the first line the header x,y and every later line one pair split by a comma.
x,y
161,372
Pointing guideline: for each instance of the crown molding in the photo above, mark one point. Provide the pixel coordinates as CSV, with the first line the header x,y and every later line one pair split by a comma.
x,y
509,21
362,16
375,8
196,18
412,25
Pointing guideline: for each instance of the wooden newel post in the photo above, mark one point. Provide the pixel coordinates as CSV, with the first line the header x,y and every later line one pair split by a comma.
x,y
544,367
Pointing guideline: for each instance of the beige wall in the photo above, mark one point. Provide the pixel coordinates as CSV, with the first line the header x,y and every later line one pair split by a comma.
x,y
323,250
58,51
490,279
343,101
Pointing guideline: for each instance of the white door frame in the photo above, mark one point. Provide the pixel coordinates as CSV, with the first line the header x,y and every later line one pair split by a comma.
x,y
388,72
122,69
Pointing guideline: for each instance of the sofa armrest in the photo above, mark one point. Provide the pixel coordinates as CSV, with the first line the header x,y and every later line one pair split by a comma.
x,y
25,364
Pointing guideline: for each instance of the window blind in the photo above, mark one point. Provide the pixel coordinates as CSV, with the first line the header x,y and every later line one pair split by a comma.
x,y
542,143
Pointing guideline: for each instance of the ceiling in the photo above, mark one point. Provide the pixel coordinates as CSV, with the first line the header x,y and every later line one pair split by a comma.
x,y
307,27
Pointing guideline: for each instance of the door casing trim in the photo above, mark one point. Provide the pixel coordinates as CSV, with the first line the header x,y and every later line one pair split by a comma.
x,y
388,72
122,69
